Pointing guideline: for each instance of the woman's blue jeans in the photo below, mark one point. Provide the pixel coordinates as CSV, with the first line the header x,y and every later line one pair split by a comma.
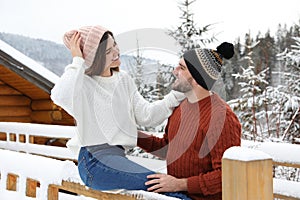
x,y
114,172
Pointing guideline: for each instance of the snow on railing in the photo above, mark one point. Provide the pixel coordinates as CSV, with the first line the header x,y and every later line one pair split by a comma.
x,y
46,171
283,154
280,152
52,173
40,130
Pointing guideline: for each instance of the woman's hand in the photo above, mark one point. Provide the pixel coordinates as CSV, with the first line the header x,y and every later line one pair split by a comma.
x,y
166,183
75,45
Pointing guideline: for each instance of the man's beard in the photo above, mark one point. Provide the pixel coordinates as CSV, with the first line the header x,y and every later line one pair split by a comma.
x,y
182,86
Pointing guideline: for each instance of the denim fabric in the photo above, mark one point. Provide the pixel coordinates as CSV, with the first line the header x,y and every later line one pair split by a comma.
x,y
114,172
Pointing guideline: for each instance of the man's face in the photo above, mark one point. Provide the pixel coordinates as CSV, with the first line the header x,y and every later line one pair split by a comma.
x,y
183,82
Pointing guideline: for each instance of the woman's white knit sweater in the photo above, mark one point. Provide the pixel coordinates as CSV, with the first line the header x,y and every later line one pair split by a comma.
x,y
107,109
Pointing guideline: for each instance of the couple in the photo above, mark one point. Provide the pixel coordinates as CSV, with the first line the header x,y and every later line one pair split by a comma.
x,y
107,108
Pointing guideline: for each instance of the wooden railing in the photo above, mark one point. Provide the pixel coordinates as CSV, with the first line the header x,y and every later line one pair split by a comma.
x,y
247,172
18,137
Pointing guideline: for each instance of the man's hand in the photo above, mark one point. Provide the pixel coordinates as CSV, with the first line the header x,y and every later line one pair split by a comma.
x,y
166,183
75,45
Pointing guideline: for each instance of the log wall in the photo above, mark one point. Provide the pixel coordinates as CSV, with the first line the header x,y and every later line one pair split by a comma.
x,y
18,107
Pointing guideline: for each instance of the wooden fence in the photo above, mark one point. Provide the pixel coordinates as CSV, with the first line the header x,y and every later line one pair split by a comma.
x,y
19,137
247,172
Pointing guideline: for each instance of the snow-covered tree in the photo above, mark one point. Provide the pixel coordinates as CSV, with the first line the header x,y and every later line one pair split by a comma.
x,y
249,103
292,87
269,112
187,34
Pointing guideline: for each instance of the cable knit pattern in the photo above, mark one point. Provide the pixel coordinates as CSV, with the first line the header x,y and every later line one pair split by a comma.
x,y
194,142
107,109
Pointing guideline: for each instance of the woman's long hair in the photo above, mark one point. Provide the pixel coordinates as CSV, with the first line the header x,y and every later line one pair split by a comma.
x,y
98,65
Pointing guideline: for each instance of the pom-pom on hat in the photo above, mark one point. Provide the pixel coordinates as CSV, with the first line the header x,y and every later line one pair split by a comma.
x,y
205,64
90,39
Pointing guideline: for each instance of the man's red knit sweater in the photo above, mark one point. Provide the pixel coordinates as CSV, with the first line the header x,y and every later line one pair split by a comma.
x,y
196,136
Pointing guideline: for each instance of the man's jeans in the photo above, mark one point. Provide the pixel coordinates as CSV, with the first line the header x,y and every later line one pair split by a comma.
x,y
114,172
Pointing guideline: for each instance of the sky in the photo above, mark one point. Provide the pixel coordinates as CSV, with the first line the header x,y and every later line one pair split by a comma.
x,y
50,19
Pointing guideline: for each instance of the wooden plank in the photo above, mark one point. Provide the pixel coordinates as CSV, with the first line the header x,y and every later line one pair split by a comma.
x,y
46,116
11,182
31,186
280,196
25,119
21,84
15,111
14,101
7,90
295,165
82,190
43,105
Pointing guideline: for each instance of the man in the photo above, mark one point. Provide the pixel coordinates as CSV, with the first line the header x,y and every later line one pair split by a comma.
x,y
198,132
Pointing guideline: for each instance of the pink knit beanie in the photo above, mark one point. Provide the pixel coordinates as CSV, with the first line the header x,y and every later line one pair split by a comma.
x,y
90,39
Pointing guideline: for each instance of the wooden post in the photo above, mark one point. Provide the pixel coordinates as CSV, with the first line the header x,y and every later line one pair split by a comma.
x,y
246,174
31,187
11,182
52,192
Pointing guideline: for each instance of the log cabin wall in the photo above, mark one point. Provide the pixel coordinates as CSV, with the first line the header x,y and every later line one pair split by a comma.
x,y
14,106
23,101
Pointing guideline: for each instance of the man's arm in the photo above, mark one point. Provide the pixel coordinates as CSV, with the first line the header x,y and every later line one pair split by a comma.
x,y
152,144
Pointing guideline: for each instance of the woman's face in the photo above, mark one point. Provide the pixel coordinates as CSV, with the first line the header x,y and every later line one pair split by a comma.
x,y
112,56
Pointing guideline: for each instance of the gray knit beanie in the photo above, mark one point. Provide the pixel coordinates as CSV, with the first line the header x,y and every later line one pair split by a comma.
x,y
205,64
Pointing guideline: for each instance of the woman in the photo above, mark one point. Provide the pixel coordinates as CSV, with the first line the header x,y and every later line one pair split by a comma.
x,y
107,108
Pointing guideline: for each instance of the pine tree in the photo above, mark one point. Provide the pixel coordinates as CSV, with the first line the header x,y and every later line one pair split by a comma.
x,y
187,34
292,87
248,105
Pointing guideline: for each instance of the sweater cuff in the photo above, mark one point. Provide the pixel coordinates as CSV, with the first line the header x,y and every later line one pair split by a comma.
x,y
193,185
77,63
174,98
143,141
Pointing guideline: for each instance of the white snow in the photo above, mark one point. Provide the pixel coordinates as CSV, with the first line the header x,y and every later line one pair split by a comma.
x,y
48,170
280,152
44,130
244,154
286,187
28,62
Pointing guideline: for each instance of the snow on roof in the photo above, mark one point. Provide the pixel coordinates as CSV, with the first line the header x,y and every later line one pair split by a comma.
x,y
28,62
